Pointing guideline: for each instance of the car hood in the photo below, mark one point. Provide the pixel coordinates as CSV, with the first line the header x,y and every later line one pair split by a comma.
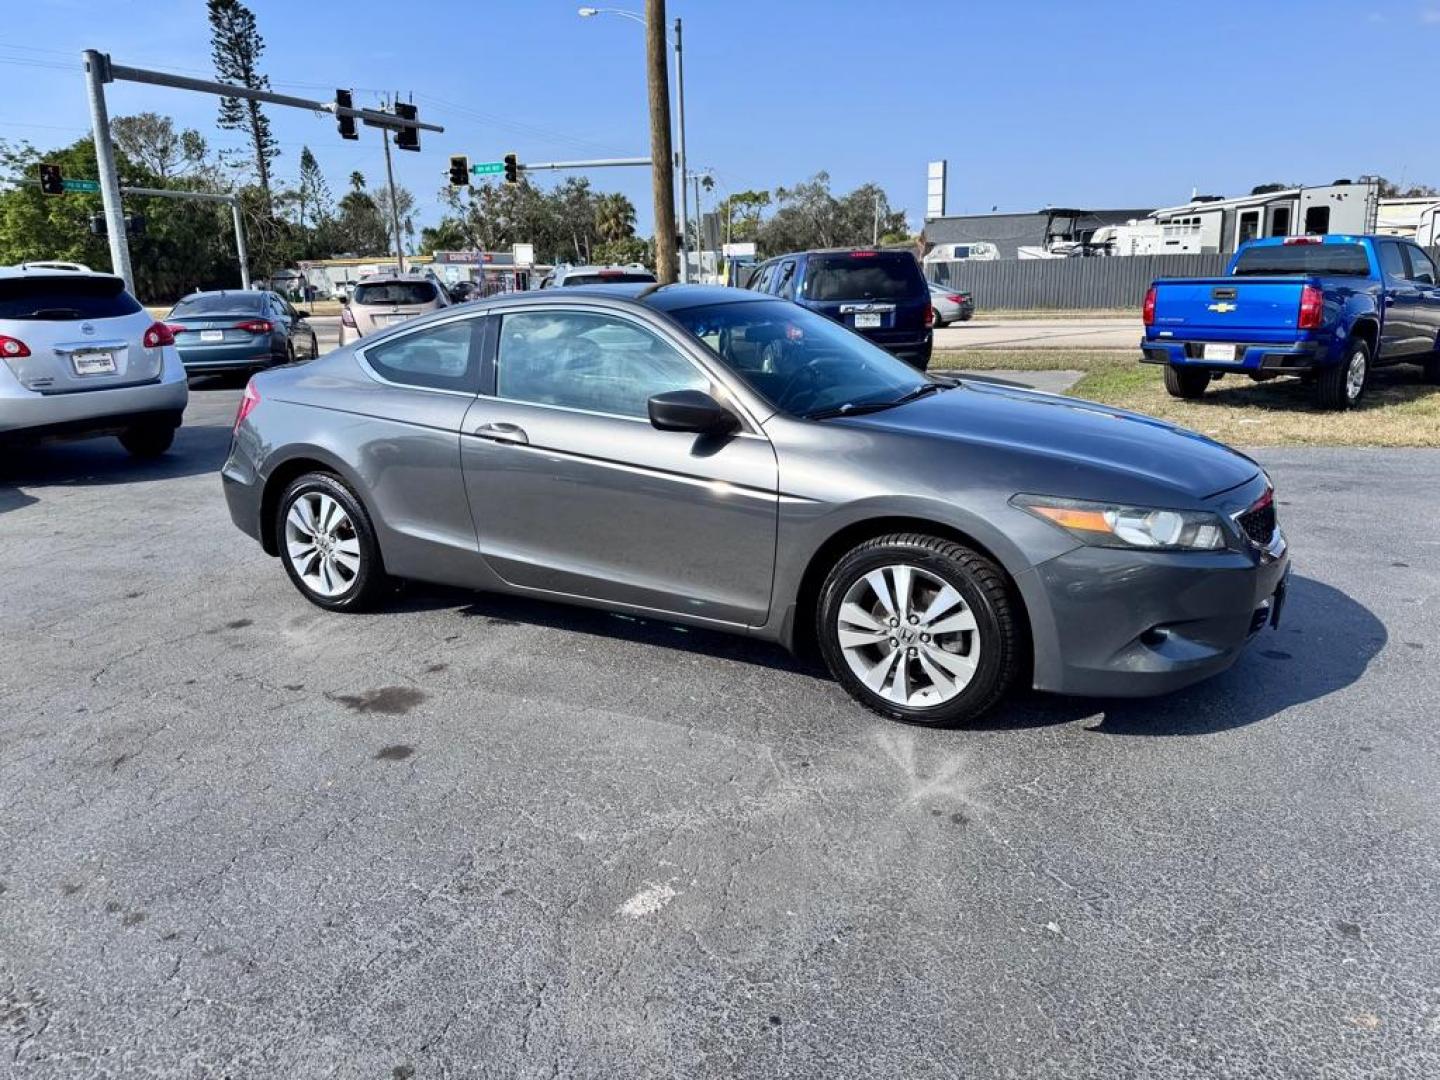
x,y
1087,437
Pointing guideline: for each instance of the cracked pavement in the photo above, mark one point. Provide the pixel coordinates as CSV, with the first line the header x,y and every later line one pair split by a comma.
x,y
471,836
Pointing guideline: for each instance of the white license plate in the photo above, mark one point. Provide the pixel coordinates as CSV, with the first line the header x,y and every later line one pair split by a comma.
x,y
93,363
212,335
1224,353
865,319
393,319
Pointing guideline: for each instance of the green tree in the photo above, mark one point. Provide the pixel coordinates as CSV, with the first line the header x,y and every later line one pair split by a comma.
x,y
313,194
1391,190
358,228
741,215
404,207
809,216
448,234
150,140
235,47
614,217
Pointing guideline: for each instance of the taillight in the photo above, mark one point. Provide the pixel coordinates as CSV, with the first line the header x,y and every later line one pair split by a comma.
x,y
347,317
1148,312
256,326
1312,308
1289,240
175,328
929,315
158,334
13,348
248,401
956,299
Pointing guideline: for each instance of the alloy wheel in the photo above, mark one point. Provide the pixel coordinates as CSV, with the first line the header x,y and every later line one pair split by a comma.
x,y
1355,375
322,544
908,636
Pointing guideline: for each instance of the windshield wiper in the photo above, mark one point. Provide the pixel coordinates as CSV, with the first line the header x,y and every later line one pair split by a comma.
x,y
852,409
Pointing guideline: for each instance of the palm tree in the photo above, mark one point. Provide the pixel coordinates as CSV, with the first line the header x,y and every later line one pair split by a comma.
x,y
614,216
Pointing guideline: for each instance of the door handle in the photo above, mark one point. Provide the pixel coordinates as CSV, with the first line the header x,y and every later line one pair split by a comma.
x,y
502,433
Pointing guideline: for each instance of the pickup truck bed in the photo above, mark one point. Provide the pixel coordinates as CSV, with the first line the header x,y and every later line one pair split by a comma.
x,y
1339,315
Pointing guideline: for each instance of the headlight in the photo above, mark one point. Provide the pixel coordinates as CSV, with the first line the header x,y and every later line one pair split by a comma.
x,y
1112,525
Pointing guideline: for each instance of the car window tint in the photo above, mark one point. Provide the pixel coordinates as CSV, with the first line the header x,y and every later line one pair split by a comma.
x,y
395,292
864,276
1391,261
588,361
1281,260
64,298
1421,268
444,357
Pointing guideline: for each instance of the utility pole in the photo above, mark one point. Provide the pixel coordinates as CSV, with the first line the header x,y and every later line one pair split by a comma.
x,y
394,206
662,180
96,76
680,116
699,227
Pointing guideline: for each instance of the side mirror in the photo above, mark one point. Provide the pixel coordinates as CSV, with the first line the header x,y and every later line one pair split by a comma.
x,y
691,410
302,313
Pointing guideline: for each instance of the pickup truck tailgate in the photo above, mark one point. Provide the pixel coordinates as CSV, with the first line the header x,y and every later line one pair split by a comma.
x,y
1227,309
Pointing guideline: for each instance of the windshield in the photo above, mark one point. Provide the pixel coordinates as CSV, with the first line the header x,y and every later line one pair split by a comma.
x,y
800,362
608,277
869,276
219,302
1325,260
395,292
67,297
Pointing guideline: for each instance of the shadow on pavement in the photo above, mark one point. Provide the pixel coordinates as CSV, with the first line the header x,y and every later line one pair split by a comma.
x,y
199,448
1325,642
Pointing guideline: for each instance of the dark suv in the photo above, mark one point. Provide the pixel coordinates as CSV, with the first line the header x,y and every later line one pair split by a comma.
x,y
880,294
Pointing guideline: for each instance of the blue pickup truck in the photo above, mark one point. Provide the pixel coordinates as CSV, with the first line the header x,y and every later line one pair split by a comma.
x,y
1327,309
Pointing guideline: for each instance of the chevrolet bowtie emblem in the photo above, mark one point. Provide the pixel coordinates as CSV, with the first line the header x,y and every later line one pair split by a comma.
x,y
1222,307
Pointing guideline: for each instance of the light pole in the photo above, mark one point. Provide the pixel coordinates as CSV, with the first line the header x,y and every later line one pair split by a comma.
x,y
590,12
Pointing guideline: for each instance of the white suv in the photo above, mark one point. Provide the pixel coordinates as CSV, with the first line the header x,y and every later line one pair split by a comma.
x,y
79,356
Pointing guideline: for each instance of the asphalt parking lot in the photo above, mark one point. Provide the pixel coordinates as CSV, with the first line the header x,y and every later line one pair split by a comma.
x,y
470,836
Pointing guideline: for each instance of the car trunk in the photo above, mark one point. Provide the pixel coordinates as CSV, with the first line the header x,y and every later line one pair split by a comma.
x,y
379,304
82,332
880,294
219,329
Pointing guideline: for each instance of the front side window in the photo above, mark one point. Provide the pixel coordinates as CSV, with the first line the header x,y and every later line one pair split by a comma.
x,y
586,360
1421,268
800,362
444,357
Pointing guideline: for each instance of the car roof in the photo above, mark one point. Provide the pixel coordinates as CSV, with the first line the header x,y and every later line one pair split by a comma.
x,y
377,279
1295,241
31,270
225,292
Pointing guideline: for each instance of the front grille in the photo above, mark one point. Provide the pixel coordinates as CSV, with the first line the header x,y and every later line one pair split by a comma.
x,y
1258,523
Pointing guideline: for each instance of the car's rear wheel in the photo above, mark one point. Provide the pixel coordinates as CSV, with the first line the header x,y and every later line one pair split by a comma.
x,y
1342,385
148,440
1188,383
920,629
1431,368
328,545
314,346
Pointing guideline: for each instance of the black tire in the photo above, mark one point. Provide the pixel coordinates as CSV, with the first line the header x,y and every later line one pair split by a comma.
x,y
148,441
983,588
1431,369
1334,388
370,582
314,346
1187,383
966,316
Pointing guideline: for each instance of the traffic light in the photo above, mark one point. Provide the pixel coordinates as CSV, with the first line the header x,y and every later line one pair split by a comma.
x,y
344,99
459,170
407,138
135,224
97,225
51,182
512,169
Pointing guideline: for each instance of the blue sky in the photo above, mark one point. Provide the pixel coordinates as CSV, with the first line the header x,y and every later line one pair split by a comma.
x,y
1107,103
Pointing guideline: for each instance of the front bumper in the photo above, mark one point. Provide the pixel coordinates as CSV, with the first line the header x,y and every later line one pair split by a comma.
x,y
1111,622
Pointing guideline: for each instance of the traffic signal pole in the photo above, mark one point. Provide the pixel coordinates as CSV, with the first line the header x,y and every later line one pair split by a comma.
x,y
394,207
96,76
99,70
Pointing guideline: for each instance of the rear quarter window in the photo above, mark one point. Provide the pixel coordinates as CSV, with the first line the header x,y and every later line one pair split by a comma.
x,y
1323,260
882,276
68,298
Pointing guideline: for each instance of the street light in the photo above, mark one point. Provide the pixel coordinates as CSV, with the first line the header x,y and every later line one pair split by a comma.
x,y
590,12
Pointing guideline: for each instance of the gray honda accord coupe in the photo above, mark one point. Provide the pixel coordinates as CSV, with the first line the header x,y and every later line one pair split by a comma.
x,y
709,457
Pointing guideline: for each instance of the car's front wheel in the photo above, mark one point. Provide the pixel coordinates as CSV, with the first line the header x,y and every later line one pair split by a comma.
x,y
328,544
920,629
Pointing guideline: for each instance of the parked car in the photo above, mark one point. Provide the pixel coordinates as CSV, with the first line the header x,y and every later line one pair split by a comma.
x,y
951,305
82,358
382,300
240,330
880,294
721,459
565,276
1325,308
